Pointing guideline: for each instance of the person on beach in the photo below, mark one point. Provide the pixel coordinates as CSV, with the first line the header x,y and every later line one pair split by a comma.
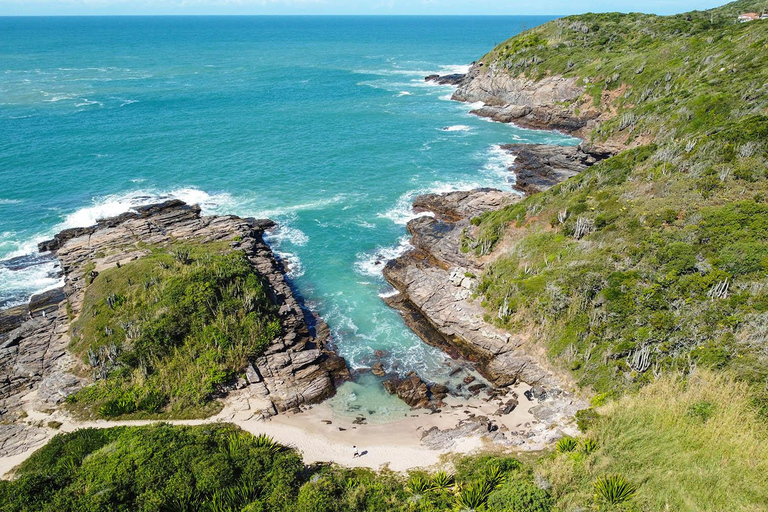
x,y
356,454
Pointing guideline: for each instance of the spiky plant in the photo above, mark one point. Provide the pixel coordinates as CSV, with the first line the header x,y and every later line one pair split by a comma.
x,y
566,444
417,484
493,476
614,489
265,441
588,445
473,495
441,481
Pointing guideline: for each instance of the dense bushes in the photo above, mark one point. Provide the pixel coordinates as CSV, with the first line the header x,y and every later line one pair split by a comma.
x,y
155,468
218,467
165,332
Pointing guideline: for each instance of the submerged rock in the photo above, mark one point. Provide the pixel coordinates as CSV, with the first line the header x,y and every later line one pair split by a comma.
x,y
415,392
452,79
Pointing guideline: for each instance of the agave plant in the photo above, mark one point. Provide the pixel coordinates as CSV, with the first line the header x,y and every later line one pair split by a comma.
x,y
474,495
265,441
417,484
613,489
566,444
493,477
441,481
588,445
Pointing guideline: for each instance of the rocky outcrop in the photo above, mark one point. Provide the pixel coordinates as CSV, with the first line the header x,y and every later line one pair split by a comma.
x,y
415,392
538,167
552,103
297,368
453,79
436,281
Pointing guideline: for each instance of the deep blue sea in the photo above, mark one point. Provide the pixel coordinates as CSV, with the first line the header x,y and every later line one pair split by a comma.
x,y
323,124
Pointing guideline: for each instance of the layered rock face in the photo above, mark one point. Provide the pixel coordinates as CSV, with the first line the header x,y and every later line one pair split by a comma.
x,y
436,281
296,368
539,167
552,103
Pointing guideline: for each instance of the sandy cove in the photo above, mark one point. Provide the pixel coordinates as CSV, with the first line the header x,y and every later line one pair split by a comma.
x,y
397,445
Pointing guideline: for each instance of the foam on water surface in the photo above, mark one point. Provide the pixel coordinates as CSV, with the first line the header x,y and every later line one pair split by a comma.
x,y
325,125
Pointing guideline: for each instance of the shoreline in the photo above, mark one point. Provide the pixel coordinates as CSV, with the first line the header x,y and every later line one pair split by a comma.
x,y
422,439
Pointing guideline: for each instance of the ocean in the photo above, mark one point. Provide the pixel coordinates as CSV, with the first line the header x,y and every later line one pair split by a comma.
x,y
323,124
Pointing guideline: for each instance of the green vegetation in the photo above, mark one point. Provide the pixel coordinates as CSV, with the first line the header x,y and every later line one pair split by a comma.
x,y
164,333
653,261
214,468
641,457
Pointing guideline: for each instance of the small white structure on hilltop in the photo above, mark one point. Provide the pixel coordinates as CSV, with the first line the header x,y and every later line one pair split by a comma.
x,y
749,16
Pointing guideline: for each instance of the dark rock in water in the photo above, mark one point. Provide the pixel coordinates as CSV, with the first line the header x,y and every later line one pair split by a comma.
x,y
452,79
469,379
380,353
539,167
415,392
378,369
438,391
476,388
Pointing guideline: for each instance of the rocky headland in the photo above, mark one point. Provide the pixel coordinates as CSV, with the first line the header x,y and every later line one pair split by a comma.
x,y
38,371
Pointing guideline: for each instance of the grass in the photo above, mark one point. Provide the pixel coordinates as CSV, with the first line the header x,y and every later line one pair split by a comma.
x,y
165,333
679,460
694,443
652,261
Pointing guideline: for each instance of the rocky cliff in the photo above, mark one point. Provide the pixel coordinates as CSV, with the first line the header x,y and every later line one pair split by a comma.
x,y
295,369
436,281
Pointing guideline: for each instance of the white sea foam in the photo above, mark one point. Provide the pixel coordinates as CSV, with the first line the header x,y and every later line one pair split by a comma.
x,y
10,201
456,128
293,263
285,233
313,205
498,163
447,97
404,93
372,263
86,103
115,204
364,224
389,293
458,69
17,286
402,211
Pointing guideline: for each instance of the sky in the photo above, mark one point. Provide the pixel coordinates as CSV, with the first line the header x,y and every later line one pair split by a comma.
x,y
367,7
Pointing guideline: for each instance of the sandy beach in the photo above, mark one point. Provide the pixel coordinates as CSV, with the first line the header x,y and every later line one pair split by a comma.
x,y
320,435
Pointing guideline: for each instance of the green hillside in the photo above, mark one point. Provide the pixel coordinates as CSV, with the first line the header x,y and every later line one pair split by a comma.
x,y
653,261
164,333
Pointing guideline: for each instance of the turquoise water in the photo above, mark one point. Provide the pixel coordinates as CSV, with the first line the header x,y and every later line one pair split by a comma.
x,y
323,124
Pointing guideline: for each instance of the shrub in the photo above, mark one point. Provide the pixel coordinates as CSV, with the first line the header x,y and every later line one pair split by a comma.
x,y
473,495
613,489
585,418
418,484
588,445
566,444
441,481
520,496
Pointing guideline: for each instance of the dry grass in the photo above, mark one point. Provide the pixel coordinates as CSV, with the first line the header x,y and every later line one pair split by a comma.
x,y
690,445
